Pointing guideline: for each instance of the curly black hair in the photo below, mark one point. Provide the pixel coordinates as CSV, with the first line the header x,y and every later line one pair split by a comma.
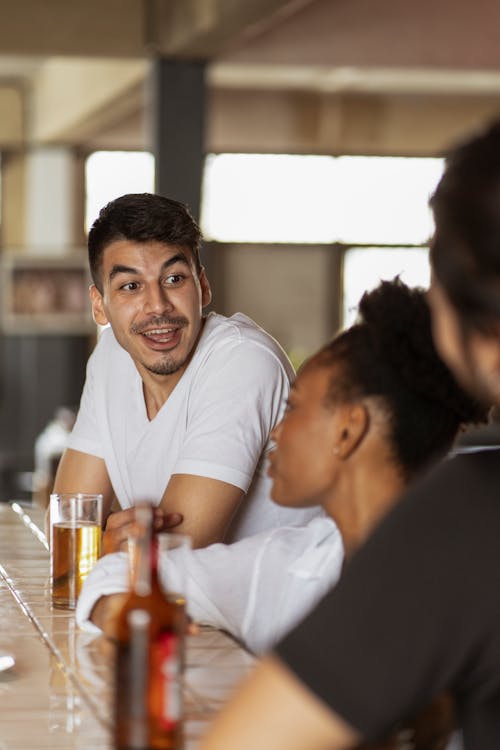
x,y
389,353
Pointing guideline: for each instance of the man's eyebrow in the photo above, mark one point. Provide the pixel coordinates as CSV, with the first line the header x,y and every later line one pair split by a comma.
x,y
122,269
177,258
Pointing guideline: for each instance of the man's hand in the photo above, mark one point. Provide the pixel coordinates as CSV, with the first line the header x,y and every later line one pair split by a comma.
x,y
107,609
120,525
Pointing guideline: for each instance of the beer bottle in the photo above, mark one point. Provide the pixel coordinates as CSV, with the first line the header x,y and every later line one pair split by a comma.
x,y
149,653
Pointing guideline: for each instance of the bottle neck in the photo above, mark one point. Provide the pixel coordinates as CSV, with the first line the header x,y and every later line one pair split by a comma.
x,y
143,553
141,566
155,558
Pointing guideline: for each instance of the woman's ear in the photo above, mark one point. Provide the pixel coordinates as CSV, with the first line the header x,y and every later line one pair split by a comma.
x,y
97,306
352,427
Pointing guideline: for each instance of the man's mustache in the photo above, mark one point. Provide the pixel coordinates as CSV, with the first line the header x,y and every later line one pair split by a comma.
x,y
159,321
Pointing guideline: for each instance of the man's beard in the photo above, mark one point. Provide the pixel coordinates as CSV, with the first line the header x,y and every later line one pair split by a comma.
x,y
165,366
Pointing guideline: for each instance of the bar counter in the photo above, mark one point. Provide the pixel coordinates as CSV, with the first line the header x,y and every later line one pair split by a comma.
x,y
59,692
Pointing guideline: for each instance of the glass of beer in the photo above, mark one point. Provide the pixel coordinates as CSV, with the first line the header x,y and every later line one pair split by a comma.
x,y
75,543
173,565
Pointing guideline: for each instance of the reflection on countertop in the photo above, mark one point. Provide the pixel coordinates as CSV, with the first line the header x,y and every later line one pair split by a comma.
x,y
59,692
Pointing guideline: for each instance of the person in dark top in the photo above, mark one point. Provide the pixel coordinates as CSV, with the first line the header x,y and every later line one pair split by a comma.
x,y
418,609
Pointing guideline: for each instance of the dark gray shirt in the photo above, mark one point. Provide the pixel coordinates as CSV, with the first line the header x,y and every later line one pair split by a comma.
x,y
417,611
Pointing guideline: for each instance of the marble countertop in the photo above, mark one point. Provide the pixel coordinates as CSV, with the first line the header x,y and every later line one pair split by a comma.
x,y
59,692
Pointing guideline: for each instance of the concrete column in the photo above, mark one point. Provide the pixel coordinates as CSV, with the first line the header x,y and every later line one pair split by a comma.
x,y
177,111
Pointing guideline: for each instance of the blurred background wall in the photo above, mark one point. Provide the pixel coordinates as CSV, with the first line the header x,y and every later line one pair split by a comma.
x,y
200,98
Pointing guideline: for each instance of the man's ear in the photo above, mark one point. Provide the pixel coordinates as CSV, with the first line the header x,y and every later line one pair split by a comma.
x,y
97,306
352,428
206,292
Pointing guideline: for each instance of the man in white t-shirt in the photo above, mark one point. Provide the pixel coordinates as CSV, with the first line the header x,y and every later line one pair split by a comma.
x,y
177,408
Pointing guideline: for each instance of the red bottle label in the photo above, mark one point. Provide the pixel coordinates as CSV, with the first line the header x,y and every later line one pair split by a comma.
x,y
166,687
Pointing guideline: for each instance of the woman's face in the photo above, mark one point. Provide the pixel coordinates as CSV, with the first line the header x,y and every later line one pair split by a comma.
x,y
474,357
446,329
303,464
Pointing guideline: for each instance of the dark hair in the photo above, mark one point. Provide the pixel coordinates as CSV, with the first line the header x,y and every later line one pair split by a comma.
x,y
142,217
389,353
465,250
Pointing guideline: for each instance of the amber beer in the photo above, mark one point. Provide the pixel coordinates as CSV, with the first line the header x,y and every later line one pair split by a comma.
x,y
75,550
150,654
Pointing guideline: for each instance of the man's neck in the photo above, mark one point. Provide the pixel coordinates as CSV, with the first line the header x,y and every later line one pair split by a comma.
x,y
157,389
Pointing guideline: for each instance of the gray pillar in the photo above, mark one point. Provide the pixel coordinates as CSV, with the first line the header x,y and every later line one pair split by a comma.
x,y
178,119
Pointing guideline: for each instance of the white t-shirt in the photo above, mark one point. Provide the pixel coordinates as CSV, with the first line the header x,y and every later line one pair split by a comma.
x,y
256,589
216,422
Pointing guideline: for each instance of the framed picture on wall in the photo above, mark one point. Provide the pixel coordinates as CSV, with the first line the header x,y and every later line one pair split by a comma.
x,y
46,294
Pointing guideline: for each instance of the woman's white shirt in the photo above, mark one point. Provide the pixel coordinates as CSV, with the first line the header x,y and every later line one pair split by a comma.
x,y
256,589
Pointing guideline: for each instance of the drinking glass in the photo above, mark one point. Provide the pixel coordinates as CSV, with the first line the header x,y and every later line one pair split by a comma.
x,y
173,565
75,543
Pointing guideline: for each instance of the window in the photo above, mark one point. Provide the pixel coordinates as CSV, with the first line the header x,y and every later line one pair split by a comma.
x,y
384,200
365,267
109,174
269,198
371,207
374,209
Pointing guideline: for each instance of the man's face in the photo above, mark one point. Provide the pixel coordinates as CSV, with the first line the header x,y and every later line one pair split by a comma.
x,y
302,465
153,296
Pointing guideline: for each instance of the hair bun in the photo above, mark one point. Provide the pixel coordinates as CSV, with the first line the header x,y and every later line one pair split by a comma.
x,y
406,346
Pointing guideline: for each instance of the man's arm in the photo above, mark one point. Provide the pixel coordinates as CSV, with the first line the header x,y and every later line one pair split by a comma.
x,y
272,710
197,506
207,506
81,472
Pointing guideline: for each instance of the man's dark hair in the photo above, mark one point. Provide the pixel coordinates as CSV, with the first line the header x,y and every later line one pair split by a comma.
x,y
465,250
389,354
142,217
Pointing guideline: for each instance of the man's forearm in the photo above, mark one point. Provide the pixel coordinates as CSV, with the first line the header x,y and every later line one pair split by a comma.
x,y
207,506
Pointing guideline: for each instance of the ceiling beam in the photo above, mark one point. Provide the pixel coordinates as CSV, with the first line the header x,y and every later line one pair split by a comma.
x,y
133,28
206,28
11,116
111,28
73,98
